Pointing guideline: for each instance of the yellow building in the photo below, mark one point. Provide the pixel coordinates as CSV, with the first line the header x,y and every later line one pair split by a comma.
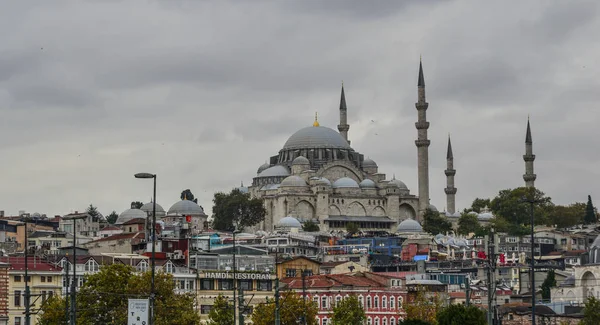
x,y
45,280
293,267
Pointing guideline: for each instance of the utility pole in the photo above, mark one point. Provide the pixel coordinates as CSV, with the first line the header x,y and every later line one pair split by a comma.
x,y
468,290
235,231
304,296
74,283
241,306
491,282
277,311
531,200
27,294
67,289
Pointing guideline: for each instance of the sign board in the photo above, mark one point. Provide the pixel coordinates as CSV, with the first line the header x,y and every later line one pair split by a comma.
x,y
138,312
238,276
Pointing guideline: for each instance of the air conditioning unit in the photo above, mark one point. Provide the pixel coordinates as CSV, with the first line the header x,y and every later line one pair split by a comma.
x,y
170,255
477,301
462,285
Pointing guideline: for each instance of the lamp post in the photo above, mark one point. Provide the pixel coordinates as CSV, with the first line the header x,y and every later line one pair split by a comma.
x,y
27,293
277,306
153,234
235,231
74,217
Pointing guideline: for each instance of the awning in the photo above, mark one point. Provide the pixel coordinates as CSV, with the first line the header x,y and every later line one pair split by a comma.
x,y
360,219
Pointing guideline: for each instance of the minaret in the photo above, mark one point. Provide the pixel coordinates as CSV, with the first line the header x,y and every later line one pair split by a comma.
x,y
529,177
343,127
422,144
450,172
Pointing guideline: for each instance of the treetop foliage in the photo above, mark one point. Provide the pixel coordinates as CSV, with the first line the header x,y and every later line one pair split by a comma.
x,y
236,209
291,311
435,223
348,311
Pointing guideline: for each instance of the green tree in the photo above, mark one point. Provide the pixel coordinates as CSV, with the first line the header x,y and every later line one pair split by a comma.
x,y
352,228
187,195
102,301
221,312
54,311
414,322
461,315
348,311
479,204
236,208
590,212
509,205
468,223
549,282
93,211
591,312
424,307
112,217
564,216
310,225
291,311
136,204
435,223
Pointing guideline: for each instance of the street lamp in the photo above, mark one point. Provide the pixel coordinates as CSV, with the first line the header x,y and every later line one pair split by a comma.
x,y
74,217
235,231
153,234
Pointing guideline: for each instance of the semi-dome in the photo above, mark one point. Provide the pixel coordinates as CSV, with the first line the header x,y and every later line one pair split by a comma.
x,y
485,216
147,208
289,222
184,208
262,167
300,160
367,183
410,225
397,183
293,181
275,171
130,214
316,137
369,163
345,182
432,208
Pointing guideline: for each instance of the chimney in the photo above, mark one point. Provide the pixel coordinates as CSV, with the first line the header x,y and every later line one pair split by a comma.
x,y
1,213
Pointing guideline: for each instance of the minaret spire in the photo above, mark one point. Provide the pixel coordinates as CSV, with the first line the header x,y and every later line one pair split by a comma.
x,y
422,144
529,177
343,127
450,172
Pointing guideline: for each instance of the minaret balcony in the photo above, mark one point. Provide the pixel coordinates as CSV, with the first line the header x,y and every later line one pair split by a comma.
x,y
450,190
421,106
422,143
422,125
343,127
450,172
529,177
529,158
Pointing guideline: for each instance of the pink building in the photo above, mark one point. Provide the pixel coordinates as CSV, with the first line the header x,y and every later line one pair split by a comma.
x,y
381,295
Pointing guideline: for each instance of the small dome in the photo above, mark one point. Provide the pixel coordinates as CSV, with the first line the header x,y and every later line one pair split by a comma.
x,y
274,171
473,213
293,181
369,163
410,225
289,222
185,207
367,183
397,183
345,182
243,189
130,214
160,212
485,216
321,181
262,167
432,208
300,160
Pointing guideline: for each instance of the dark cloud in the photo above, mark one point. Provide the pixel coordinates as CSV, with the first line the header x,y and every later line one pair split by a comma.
x,y
202,93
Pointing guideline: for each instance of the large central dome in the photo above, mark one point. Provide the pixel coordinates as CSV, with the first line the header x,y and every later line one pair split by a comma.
x,y
316,137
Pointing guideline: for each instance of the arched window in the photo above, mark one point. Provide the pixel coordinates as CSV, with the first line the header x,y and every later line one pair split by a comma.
x,y
369,321
316,300
376,305
337,300
384,302
376,320
399,301
325,321
142,266
369,302
362,301
384,321
324,302
392,321
392,302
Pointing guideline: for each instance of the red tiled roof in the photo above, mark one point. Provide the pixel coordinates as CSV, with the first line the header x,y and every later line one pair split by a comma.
x,y
135,221
333,280
110,228
131,235
33,264
331,264
575,252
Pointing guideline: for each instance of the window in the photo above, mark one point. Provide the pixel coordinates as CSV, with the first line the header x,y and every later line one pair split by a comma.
x,y
226,284
17,298
324,302
399,302
337,300
384,303
324,321
265,285
369,321
392,321
362,301
17,320
377,321
384,321
392,302
369,302
246,285
142,266
43,278
17,278
376,305
290,273
48,279
43,296
207,284
169,267
316,301
205,309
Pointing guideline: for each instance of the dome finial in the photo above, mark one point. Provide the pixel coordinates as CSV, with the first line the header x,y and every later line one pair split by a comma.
x,y
316,123
185,196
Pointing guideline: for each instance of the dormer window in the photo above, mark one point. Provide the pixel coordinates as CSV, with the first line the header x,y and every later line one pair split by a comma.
x,y
92,266
168,267
142,266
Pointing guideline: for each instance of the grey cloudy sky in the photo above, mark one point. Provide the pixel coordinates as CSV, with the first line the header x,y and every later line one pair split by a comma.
x,y
202,93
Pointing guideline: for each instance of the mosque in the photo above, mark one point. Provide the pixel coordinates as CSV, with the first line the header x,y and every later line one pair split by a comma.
x,y
318,176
